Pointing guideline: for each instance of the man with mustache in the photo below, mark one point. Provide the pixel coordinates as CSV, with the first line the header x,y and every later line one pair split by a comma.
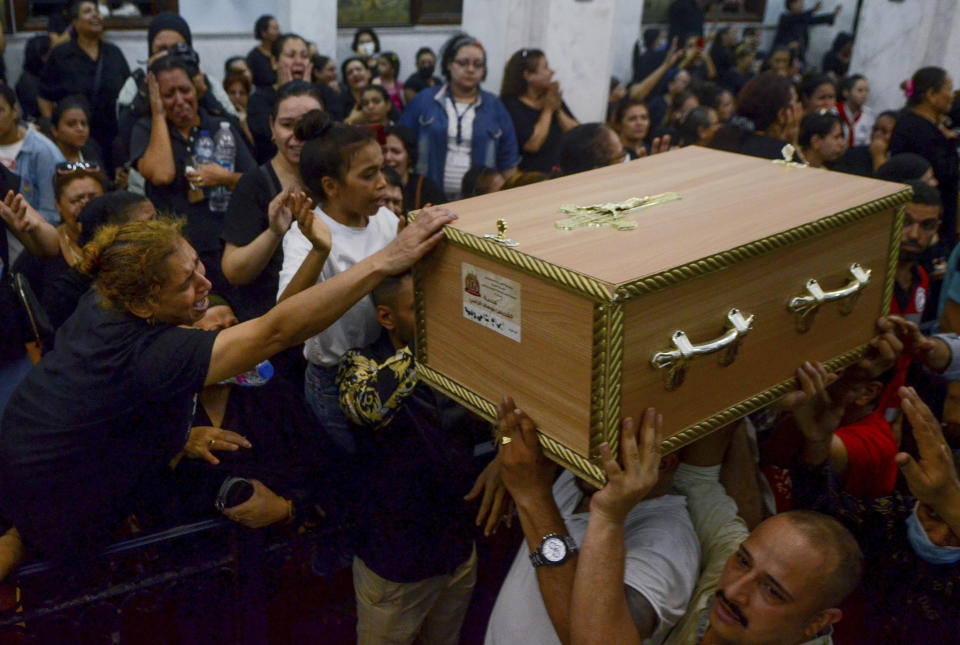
x,y
659,555
921,219
780,584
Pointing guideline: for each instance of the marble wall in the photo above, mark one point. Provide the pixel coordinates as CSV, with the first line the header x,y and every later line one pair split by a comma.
x,y
576,36
897,38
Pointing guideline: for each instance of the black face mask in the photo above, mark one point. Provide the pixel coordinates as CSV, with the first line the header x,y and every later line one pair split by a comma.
x,y
426,73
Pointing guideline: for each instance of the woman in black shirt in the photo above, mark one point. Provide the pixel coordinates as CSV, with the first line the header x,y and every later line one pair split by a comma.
x,y
767,119
400,153
293,64
90,66
257,217
105,411
162,147
74,185
536,107
920,130
424,77
70,130
266,30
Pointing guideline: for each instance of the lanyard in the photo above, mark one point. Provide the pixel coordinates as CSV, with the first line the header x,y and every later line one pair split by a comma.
x,y
460,117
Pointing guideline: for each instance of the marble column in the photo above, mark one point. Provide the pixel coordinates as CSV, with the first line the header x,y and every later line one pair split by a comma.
x,y
316,21
895,39
576,35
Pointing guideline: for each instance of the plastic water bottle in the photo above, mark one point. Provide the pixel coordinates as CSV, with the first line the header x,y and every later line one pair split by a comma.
x,y
224,153
203,151
255,377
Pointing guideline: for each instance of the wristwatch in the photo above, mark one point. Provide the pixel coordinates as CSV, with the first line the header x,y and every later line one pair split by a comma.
x,y
554,550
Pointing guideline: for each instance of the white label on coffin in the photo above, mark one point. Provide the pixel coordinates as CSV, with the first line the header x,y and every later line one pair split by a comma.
x,y
491,300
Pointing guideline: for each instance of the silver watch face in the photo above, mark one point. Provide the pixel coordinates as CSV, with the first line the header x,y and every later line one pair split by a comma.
x,y
554,549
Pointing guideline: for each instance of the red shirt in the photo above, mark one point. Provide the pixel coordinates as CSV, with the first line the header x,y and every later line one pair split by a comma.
x,y
871,448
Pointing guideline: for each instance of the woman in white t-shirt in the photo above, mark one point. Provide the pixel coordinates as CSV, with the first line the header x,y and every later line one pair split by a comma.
x,y
341,165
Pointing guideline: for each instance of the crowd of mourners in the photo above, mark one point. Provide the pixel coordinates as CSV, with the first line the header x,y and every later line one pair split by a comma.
x,y
167,359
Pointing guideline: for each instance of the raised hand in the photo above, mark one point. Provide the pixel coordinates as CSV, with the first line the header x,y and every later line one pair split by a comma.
x,y
203,440
932,478
932,352
632,481
312,226
526,471
18,214
885,348
279,216
817,413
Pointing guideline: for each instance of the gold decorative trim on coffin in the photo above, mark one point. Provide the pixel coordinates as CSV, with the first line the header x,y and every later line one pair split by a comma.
x,y
709,264
608,329
606,381
691,433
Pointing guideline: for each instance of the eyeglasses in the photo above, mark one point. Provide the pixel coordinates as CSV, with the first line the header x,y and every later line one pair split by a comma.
x,y
476,63
67,167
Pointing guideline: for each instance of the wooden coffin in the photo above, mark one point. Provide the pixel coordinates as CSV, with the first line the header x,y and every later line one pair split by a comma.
x,y
582,326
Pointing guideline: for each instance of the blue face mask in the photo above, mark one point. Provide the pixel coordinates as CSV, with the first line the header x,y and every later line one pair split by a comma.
x,y
927,550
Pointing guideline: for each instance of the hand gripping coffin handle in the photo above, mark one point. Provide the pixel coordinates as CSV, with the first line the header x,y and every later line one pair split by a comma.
x,y
676,361
805,307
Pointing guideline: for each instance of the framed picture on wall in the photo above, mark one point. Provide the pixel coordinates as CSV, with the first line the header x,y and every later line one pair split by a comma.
x,y
657,11
397,13
373,12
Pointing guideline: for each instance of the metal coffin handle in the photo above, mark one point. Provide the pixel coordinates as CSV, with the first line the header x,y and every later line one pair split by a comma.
x,y
805,307
676,361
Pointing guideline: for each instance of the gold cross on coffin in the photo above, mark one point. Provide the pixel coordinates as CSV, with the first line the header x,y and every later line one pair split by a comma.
x,y
610,214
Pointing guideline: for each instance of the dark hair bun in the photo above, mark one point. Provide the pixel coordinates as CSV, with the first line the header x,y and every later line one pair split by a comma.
x,y
312,125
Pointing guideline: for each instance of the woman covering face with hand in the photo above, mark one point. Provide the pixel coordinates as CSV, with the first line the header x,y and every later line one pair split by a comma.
x,y
293,63
162,148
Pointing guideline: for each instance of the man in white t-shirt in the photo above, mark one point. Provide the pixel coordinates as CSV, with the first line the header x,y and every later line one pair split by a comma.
x,y
534,603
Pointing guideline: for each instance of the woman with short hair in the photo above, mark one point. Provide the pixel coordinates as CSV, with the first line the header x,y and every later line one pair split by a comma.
x,y
100,417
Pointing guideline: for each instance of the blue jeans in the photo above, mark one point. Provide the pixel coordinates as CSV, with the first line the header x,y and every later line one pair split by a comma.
x,y
323,397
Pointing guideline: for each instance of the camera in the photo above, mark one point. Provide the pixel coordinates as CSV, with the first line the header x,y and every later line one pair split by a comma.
x,y
185,53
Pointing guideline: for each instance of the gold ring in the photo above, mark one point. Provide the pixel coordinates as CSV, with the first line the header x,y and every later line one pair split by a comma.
x,y
505,440
211,442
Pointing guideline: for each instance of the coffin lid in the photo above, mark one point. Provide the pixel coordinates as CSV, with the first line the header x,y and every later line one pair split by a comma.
x,y
726,201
